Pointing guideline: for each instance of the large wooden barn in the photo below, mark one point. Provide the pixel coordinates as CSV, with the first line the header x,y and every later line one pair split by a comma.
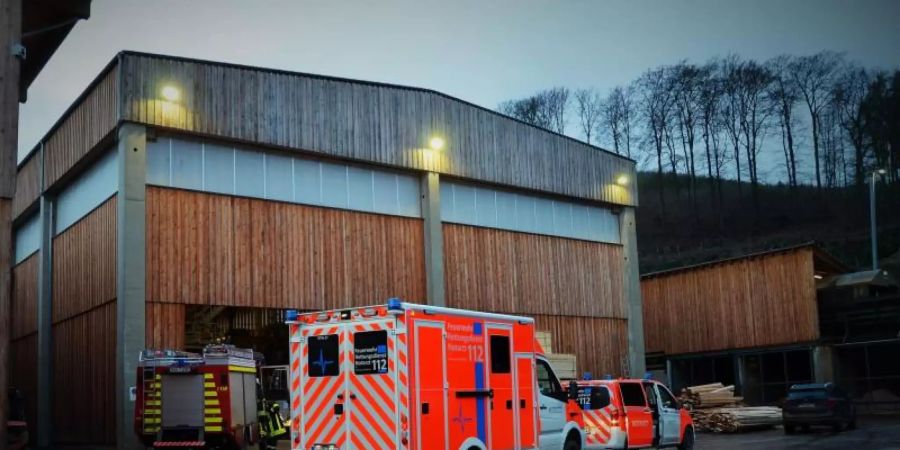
x,y
178,201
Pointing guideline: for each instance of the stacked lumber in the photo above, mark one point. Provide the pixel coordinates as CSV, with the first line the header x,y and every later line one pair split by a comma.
x,y
714,395
715,408
736,419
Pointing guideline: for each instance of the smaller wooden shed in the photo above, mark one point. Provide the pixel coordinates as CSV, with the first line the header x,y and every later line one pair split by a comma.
x,y
702,322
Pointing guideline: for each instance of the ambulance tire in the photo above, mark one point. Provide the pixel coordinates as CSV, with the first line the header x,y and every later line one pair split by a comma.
x,y
572,441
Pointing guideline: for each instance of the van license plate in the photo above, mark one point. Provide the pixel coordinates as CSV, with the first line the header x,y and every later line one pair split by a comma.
x,y
806,405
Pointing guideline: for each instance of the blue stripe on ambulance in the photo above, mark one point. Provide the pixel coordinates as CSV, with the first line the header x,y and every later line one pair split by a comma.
x,y
479,385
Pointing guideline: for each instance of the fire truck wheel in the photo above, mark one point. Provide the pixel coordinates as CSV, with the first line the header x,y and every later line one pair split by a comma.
x,y
572,442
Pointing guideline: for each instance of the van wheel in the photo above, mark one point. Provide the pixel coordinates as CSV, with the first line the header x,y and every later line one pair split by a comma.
x,y
572,442
687,443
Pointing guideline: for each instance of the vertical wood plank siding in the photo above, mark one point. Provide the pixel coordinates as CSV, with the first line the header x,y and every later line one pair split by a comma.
x,y
28,185
165,325
23,303
23,374
84,263
369,122
84,379
221,250
759,301
600,344
89,122
496,270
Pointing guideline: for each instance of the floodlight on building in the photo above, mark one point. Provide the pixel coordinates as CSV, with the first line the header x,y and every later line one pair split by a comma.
x,y
171,93
622,180
437,143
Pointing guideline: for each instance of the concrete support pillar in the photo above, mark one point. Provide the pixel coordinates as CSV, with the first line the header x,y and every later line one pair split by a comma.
x,y
131,274
823,363
45,325
10,66
434,239
632,285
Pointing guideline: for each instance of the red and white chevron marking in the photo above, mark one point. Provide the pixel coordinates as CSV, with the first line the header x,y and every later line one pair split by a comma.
x,y
598,425
295,385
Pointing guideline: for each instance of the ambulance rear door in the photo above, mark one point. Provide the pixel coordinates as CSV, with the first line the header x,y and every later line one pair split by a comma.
x,y
349,394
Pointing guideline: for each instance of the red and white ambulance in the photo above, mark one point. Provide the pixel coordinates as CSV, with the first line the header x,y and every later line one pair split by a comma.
x,y
405,376
629,413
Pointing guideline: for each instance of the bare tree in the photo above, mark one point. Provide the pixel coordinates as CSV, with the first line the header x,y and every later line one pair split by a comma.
x,y
588,106
709,100
688,80
849,93
753,81
784,96
546,109
655,105
814,76
729,117
617,117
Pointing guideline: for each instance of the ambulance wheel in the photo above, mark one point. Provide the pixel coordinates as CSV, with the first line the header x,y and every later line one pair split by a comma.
x,y
687,443
572,442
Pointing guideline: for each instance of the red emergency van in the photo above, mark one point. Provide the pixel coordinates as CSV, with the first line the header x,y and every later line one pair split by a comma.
x,y
629,413
406,376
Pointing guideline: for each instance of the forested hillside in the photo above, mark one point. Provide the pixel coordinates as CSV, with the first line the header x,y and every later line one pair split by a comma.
x,y
739,155
692,232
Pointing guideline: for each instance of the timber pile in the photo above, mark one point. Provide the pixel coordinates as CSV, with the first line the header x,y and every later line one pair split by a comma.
x,y
715,408
713,395
736,419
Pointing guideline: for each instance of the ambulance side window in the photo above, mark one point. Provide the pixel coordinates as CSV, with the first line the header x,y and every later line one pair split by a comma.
x,y
322,360
500,354
547,382
632,394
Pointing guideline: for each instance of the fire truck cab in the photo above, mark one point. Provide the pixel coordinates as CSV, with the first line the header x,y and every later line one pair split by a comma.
x,y
406,376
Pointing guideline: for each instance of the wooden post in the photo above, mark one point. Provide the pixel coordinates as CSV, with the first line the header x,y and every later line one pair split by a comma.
x,y
10,35
632,280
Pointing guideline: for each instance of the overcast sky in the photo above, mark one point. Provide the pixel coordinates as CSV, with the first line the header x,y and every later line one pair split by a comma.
x,y
483,51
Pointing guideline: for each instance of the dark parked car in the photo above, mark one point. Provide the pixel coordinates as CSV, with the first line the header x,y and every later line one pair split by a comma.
x,y
817,404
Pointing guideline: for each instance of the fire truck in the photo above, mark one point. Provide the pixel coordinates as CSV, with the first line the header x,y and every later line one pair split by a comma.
x,y
406,376
191,400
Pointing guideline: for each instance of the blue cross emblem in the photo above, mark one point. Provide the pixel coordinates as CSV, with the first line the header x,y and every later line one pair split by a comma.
x,y
462,420
322,362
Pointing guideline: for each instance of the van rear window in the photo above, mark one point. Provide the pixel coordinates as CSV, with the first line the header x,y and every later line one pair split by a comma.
x,y
632,394
322,360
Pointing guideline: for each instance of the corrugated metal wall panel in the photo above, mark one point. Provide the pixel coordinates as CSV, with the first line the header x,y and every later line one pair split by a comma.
x,y
600,344
84,263
760,301
91,120
505,271
165,325
84,380
23,303
221,250
362,121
